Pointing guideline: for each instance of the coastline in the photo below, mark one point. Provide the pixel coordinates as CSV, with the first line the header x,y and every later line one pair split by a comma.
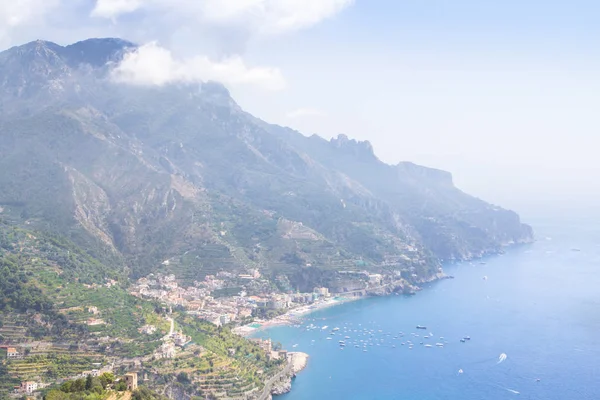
x,y
299,361
292,316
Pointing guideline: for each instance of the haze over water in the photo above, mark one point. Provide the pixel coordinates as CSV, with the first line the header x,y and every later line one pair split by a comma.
x,y
539,304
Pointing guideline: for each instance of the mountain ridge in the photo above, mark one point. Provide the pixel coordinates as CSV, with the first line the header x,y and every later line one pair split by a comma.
x,y
148,173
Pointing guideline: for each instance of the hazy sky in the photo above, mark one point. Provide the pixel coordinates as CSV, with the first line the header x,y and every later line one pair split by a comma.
x,y
504,94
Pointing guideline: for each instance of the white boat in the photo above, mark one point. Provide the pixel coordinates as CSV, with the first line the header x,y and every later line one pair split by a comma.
x,y
439,344
328,338
428,345
335,329
325,327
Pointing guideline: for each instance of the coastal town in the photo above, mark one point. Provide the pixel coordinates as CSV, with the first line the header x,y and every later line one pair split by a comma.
x,y
248,312
221,299
241,308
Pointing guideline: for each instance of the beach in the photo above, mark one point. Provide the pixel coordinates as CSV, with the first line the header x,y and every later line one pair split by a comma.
x,y
291,317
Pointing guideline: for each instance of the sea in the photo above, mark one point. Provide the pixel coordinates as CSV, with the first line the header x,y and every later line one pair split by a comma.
x,y
532,315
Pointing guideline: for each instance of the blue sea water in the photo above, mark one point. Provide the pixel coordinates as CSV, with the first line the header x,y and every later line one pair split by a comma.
x,y
540,305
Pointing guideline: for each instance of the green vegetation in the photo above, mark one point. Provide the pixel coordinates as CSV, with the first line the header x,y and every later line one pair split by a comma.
x,y
17,292
218,362
97,388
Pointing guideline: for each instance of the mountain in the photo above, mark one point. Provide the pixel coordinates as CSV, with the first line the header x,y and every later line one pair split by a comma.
x,y
141,175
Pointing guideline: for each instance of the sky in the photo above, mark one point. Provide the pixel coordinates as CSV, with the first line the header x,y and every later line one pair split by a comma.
x,y
503,94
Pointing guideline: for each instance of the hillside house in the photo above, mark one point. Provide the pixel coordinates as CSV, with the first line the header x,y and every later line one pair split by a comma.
x,y
12,353
131,379
28,387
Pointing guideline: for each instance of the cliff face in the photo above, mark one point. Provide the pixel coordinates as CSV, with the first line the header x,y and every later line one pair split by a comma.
x,y
150,173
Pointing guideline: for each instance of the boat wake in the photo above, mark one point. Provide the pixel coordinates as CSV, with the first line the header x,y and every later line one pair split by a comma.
x,y
502,358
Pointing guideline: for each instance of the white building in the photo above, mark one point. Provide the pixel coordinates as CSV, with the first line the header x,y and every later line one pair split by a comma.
x,y
29,387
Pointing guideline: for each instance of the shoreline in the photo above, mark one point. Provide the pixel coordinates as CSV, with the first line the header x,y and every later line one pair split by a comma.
x,y
292,316
299,361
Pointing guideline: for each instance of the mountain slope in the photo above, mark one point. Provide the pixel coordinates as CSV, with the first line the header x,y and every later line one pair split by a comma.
x,y
145,174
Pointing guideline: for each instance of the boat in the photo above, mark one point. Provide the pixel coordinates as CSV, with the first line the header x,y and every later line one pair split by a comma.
x,y
325,327
328,338
421,327
462,340
428,345
335,329
467,337
439,344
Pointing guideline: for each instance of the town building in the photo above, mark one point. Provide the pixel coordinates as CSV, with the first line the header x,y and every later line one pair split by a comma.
x,y
375,279
265,345
166,350
148,329
131,379
29,387
12,352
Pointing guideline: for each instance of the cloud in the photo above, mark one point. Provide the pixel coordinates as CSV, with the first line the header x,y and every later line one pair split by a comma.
x,y
202,39
18,13
256,16
113,8
305,112
154,65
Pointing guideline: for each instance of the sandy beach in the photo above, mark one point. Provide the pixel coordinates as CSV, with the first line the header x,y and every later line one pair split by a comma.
x,y
292,316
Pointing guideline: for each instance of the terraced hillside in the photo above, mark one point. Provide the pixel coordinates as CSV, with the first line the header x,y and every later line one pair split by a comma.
x,y
63,328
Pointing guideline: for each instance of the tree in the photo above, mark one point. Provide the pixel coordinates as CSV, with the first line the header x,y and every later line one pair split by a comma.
x,y
121,386
78,385
106,379
89,382
183,378
66,387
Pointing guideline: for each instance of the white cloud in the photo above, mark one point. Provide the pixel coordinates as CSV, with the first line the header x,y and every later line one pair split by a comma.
x,y
154,65
113,8
259,16
18,13
205,38
305,112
